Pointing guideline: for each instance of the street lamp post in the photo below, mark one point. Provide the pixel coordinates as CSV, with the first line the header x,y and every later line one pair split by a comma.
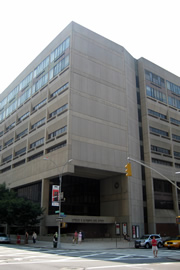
x,y
60,184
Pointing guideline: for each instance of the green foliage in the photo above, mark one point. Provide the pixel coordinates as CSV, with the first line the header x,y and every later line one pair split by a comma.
x,y
18,211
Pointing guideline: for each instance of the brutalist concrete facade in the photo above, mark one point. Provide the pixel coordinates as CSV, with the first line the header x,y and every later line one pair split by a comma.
x,y
78,100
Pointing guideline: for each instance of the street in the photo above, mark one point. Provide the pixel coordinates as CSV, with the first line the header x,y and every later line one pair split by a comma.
x,y
23,257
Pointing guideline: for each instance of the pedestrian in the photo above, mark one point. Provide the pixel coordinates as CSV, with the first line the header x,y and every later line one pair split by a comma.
x,y
55,239
34,237
154,246
80,237
76,237
26,238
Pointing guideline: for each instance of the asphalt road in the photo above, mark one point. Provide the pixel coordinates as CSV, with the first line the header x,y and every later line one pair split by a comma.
x,y
23,257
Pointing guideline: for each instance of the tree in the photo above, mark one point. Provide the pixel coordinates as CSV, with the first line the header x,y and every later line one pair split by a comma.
x,y
18,211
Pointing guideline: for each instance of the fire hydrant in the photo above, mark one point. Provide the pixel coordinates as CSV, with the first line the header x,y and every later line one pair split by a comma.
x,y
18,239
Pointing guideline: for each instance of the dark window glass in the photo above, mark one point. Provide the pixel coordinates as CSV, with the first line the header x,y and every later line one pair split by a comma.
x,y
163,194
81,194
30,192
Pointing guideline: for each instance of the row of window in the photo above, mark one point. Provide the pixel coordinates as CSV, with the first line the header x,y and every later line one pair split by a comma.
x,y
39,84
22,117
154,78
163,116
157,114
172,101
37,143
154,93
37,71
40,122
164,151
158,131
161,82
37,124
160,149
173,87
163,133
37,155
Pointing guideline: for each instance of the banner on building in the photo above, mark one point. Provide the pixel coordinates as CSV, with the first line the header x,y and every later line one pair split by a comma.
x,y
55,195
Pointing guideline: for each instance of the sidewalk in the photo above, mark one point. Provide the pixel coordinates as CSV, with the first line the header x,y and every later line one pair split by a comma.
x,y
87,245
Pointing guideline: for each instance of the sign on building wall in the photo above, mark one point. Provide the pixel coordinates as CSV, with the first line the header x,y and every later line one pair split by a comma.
x,y
55,195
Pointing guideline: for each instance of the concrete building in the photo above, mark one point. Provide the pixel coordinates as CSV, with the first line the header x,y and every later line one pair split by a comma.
x,y
85,99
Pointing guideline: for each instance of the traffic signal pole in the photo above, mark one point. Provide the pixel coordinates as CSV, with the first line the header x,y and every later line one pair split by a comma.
x,y
143,164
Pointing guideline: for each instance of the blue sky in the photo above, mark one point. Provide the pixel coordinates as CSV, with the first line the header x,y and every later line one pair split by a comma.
x,y
148,29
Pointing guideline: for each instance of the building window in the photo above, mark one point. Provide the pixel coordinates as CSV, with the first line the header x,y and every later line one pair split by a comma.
x,y
154,93
59,67
154,78
25,82
176,154
62,88
9,142
57,132
17,164
56,147
59,110
60,50
160,150
13,93
175,137
11,108
163,194
21,151
30,192
41,67
3,103
177,165
40,122
174,102
173,87
157,114
37,143
39,104
22,133
10,126
23,116
26,95
2,116
158,131
40,83
7,158
162,162
175,121
40,154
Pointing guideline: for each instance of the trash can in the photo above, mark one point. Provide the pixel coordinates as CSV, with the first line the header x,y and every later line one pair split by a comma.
x,y
54,244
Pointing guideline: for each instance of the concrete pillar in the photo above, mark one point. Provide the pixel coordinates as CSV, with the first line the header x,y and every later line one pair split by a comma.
x,y
44,204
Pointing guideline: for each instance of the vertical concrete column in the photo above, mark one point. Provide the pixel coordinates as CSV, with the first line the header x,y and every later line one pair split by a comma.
x,y
44,204
150,203
175,200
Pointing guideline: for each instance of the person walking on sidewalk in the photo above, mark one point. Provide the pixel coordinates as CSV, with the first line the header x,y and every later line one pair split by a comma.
x,y
34,237
154,247
75,239
80,237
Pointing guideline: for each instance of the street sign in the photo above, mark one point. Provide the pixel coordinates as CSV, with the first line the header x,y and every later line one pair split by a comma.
x,y
59,219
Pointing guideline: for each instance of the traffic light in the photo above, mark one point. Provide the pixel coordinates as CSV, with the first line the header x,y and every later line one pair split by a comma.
x,y
128,169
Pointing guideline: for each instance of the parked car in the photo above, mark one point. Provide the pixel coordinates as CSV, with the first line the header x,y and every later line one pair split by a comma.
x,y
145,241
4,238
174,242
